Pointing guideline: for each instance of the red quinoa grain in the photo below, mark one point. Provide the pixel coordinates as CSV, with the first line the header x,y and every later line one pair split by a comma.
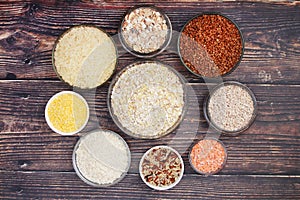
x,y
210,45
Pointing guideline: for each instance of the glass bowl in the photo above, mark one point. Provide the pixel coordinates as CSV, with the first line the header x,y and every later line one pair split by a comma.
x,y
212,172
213,124
153,53
76,84
82,176
48,118
117,121
218,75
160,187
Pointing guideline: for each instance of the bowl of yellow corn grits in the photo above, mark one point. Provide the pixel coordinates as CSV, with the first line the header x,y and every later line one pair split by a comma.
x,y
67,113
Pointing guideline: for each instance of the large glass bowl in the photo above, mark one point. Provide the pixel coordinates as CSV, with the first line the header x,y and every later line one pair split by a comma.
x,y
117,121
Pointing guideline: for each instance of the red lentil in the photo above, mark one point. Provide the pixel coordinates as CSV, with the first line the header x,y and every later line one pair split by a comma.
x,y
208,156
210,45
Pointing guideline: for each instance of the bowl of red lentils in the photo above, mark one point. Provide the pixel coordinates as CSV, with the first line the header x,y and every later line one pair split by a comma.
x,y
208,156
211,45
145,31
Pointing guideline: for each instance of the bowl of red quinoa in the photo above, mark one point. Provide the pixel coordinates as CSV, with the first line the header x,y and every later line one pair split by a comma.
x,y
211,45
230,108
145,31
208,156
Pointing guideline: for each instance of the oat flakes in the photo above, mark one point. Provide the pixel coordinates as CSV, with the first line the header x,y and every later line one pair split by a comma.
x,y
148,99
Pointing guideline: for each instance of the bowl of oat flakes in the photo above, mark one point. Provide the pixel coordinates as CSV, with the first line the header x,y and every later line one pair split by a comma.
x,y
147,99
145,31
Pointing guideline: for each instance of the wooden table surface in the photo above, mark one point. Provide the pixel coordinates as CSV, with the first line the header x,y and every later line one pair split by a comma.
x,y
263,162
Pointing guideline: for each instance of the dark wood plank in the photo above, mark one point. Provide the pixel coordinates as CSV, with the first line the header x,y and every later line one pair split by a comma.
x,y
270,146
23,103
49,185
247,154
263,162
28,32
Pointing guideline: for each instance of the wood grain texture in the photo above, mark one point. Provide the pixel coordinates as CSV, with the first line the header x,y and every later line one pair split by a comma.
x,y
43,185
272,46
27,143
263,162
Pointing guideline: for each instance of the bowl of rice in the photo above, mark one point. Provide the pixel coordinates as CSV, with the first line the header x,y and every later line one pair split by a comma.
x,y
84,56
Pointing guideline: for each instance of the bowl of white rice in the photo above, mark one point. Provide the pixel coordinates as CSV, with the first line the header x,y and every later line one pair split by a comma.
x,y
84,56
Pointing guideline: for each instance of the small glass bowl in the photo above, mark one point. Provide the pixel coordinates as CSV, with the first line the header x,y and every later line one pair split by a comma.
x,y
242,42
153,53
207,116
157,187
214,172
49,121
82,177
115,118
67,31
